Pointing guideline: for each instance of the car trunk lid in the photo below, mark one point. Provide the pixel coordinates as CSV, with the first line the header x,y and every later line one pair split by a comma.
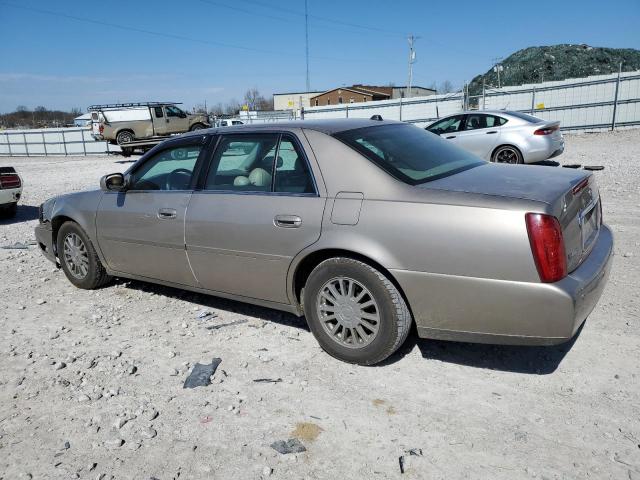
x,y
572,195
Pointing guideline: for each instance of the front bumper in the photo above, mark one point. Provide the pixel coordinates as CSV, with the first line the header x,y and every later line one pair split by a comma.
x,y
44,238
481,310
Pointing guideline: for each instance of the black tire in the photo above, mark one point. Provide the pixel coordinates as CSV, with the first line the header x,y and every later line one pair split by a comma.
x,y
96,275
197,126
507,154
394,316
10,210
125,136
127,151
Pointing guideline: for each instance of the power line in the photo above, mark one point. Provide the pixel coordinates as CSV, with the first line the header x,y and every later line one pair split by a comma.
x,y
171,36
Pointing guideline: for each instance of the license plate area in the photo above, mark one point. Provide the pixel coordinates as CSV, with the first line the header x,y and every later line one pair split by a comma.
x,y
589,225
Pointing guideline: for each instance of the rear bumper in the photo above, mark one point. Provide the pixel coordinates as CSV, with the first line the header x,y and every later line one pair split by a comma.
x,y
10,195
543,148
504,312
44,238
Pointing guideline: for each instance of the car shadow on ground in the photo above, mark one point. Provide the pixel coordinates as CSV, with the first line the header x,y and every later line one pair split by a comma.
x,y
507,358
203,301
535,360
25,214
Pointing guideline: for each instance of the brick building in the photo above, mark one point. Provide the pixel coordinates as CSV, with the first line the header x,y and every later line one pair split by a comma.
x,y
365,93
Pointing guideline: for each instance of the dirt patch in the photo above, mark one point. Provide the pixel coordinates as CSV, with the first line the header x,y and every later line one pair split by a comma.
x,y
306,431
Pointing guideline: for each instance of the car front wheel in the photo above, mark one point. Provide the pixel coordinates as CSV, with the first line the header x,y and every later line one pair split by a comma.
x,y
354,311
79,259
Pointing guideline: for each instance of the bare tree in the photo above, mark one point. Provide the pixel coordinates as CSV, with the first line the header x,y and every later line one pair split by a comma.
x,y
21,108
217,109
76,112
446,87
232,108
251,98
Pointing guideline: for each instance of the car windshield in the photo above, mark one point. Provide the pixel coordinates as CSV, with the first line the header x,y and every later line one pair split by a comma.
x,y
408,153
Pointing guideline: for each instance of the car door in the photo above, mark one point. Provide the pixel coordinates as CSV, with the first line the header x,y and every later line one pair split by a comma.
x,y
480,134
141,231
176,120
448,127
160,122
256,208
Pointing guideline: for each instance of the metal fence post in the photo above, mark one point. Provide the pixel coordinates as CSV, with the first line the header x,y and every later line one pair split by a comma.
x,y
9,145
64,143
44,144
533,99
615,100
400,114
84,145
26,148
484,105
346,109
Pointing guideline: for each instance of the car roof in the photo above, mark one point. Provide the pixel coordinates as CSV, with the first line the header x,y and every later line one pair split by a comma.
x,y
328,126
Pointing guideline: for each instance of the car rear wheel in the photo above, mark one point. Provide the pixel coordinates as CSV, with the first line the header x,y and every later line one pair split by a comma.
x,y
125,136
197,126
79,259
354,311
507,154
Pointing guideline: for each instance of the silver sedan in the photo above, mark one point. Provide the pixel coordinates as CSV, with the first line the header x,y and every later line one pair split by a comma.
x,y
365,227
502,136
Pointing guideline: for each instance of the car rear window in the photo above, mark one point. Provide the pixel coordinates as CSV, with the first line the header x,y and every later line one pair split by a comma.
x,y
524,116
409,153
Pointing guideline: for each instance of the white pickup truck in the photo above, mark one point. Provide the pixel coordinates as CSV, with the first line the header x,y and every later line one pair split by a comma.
x,y
123,123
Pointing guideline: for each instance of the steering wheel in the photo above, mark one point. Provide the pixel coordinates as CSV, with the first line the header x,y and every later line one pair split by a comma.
x,y
170,178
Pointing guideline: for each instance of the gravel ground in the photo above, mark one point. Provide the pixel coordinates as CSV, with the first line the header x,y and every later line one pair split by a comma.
x,y
91,382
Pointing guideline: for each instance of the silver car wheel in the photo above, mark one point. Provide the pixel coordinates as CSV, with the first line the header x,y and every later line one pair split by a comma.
x,y
348,312
75,256
507,155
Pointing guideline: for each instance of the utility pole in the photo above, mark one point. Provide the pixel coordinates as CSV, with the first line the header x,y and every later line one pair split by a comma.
x,y
412,58
497,67
306,39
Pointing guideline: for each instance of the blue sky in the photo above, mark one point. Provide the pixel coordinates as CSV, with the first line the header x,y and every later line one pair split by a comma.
x,y
73,53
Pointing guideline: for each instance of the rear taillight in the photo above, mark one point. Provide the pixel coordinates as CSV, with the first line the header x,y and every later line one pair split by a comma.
x,y
546,130
101,129
547,246
10,180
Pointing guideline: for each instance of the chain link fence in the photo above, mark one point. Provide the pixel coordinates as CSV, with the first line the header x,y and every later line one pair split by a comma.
x,y
52,141
590,103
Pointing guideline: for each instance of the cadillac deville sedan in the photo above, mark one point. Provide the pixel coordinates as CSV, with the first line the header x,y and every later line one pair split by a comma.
x,y
364,227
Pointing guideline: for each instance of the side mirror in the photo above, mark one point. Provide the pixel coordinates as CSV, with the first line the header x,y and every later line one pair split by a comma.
x,y
113,182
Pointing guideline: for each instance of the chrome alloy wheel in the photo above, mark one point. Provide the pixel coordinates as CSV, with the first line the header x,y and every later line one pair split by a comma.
x,y
348,312
75,256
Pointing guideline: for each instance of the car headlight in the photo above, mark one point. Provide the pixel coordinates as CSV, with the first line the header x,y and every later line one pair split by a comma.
x,y
45,210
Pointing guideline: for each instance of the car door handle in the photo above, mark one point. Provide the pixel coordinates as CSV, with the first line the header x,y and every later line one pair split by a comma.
x,y
166,213
451,136
492,131
287,221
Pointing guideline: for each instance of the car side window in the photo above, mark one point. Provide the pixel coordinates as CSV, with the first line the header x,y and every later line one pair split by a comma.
x,y
292,171
447,125
170,169
159,112
499,121
173,111
476,121
243,163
